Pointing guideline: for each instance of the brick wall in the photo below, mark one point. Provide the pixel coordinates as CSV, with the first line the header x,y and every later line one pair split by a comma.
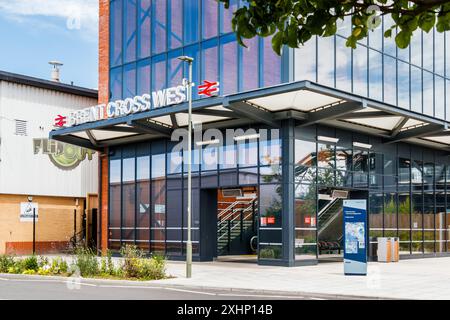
x,y
54,227
103,97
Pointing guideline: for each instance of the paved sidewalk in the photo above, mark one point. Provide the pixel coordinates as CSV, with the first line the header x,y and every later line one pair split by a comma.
x,y
408,279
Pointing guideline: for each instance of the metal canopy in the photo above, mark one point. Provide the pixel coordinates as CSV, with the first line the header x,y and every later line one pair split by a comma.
x,y
306,102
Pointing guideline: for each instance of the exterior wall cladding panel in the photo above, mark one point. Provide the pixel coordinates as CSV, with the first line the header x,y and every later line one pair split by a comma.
x,y
145,199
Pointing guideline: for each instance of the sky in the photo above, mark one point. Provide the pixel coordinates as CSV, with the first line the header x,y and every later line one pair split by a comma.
x,y
34,32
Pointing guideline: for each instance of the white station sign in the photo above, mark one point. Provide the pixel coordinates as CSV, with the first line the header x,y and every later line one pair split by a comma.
x,y
145,102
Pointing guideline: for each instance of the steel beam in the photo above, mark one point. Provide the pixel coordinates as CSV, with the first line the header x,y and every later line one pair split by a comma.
x,y
249,111
92,138
331,113
151,127
290,114
418,132
77,141
369,114
399,126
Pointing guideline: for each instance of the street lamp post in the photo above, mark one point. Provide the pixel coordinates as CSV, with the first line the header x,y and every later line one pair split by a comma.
x,y
190,61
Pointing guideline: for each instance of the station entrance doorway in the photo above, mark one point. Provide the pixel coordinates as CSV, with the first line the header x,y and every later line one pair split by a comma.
x,y
330,228
237,212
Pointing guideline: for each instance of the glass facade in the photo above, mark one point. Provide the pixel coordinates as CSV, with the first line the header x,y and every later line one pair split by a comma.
x,y
148,191
147,36
407,188
416,78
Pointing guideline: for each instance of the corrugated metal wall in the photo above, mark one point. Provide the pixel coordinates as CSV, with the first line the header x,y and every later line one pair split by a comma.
x,y
22,171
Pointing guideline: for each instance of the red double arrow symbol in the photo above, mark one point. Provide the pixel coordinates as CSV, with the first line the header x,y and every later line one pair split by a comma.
x,y
208,88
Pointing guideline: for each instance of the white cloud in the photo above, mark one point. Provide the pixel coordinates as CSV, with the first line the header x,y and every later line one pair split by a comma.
x,y
73,14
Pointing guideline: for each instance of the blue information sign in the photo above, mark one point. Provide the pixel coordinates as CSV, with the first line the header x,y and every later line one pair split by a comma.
x,y
355,246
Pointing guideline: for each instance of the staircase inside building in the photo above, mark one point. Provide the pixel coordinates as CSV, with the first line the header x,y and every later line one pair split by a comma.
x,y
236,223
330,231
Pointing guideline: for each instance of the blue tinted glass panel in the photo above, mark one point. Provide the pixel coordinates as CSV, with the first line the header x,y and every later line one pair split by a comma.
x,y
271,64
210,14
144,34
428,93
191,21
159,25
158,73
116,32
250,64
226,15
228,65
325,64
360,70
390,81
210,56
439,97
416,89
129,33
305,61
174,68
176,24
143,77
343,65
116,83
129,81
403,85
375,75
194,52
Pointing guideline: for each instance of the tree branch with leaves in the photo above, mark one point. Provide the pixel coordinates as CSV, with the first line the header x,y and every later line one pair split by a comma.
x,y
294,22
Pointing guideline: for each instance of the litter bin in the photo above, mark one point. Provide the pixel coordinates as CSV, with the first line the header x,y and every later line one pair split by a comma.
x,y
384,252
395,249
373,247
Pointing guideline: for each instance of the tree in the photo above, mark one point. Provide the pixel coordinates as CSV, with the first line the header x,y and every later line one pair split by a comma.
x,y
294,22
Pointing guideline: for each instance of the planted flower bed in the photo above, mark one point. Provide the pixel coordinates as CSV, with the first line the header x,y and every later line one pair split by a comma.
x,y
86,264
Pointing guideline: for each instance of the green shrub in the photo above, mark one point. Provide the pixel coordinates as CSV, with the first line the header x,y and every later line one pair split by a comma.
x,y
153,269
6,262
30,263
58,266
131,265
136,266
86,262
29,271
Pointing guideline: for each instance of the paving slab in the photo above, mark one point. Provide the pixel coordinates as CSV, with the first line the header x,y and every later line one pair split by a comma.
x,y
408,279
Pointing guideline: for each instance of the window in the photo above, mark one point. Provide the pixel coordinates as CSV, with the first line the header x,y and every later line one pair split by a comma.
x,y
159,26
116,33
250,64
210,11
305,61
129,83
305,221
144,34
325,64
228,56
21,128
129,32
360,70
176,23
375,75
271,64
191,21
343,65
